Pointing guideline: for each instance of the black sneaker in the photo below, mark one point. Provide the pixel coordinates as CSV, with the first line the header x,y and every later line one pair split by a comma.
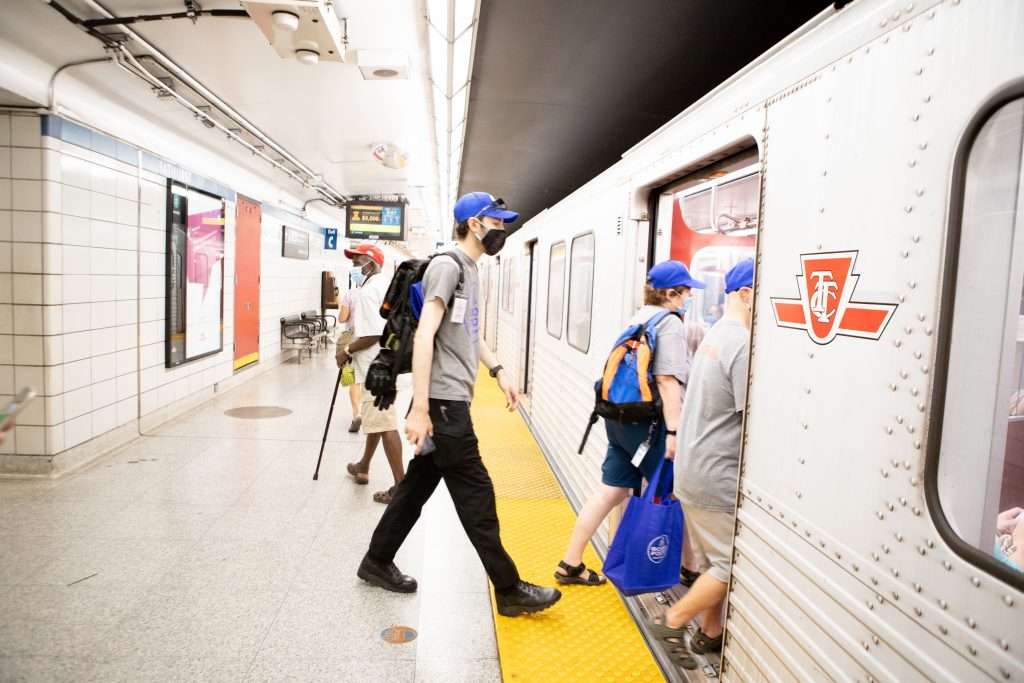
x,y
355,425
386,576
526,598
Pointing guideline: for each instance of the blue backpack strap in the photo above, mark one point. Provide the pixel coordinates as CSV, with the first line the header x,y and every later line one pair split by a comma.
x,y
651,326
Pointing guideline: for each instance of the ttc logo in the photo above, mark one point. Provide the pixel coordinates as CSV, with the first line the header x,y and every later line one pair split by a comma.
x,y
824,307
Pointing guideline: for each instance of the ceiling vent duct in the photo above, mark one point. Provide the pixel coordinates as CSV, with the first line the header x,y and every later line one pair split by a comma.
x,y
308,30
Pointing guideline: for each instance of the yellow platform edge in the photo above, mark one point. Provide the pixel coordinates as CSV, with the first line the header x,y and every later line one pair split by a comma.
x,y
589,635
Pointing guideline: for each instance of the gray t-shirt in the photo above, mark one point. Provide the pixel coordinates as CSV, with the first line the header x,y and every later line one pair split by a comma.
x,y
671,356
456,344
708,455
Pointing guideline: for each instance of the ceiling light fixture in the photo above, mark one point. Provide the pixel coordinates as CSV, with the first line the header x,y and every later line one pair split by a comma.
x,y
286,21
307,56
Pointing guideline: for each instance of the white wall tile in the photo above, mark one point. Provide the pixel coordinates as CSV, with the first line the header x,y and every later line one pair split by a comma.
x,y
76,347
27,163
5,162
104,341
77,374
53,410
28,350
75,202
152,355
27,195
152,216
104,287
53,384
78,430
52,228
74,172
27,289
6,348
34,413
5,129
150,401
53,290
104,234
77,288
28,320
104,207
127,287
5,257
6,319
53,196
151,286
127,212
126,262
5,225
104,261
104,314
28,376
127,237
127,385
153,193
26,226
104,419
31,440
76,230
151,332
55,438
53,319
51,165
127,337
53,258
77,260
27,257
77,402
154,241
26,131
77,317
152,309
7,385
151,378
104,394
127,312
53,349
104,179
127,410
5,193
127,361
127,187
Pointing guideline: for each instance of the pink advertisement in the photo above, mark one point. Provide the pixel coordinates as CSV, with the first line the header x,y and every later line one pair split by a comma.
x,y
205,275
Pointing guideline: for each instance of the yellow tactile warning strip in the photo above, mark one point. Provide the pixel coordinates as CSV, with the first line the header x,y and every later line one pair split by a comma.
x,y
588,635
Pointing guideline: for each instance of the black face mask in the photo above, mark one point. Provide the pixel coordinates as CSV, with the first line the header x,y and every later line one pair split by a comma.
x,y
493,240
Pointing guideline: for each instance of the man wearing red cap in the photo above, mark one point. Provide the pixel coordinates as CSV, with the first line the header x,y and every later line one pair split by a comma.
x,y
378,425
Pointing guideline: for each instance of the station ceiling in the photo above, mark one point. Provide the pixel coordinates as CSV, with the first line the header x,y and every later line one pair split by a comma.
x,y
561,89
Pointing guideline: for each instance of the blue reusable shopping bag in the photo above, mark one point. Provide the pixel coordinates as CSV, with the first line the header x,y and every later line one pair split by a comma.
x,y
648,547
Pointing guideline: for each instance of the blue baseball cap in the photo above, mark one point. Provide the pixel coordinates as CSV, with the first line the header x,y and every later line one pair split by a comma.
x,y
739,276
477,204
671,274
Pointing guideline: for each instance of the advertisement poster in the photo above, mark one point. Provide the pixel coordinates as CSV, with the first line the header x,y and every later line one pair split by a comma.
x,y
195,275
294,243
375,220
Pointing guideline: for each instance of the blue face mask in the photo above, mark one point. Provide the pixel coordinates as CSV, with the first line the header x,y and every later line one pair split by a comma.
x,y
357,276
684,309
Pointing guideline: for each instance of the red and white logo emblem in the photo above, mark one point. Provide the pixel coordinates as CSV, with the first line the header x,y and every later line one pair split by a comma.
x,y
824,307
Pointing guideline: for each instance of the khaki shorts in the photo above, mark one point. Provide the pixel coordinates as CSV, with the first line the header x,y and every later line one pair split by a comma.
x,y
375,421
710,533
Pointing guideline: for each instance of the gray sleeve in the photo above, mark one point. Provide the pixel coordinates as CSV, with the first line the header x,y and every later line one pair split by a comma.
x,y
738,375
441,280
671,357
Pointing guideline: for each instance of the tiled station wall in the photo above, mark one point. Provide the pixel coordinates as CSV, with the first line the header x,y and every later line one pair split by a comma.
x,y
82,249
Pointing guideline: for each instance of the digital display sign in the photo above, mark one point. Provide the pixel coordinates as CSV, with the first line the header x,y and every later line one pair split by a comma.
x,y
375,220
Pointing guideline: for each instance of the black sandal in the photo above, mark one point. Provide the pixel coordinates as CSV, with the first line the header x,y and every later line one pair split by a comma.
x,y
702,643
572,575
384,496
665,633
683,657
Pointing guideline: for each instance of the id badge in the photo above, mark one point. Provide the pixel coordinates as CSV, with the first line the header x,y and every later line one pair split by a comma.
x,y
459,310
641,452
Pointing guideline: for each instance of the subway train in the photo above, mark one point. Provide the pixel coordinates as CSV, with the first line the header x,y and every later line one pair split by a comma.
x,y
871,164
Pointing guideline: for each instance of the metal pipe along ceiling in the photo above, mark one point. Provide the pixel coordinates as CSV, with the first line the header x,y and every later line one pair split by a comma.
x,y
313,179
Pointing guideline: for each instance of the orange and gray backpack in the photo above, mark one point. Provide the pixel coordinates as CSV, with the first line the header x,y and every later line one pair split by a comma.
x,y
627,391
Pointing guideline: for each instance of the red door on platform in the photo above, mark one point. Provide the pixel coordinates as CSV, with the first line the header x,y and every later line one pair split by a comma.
x,y
247,282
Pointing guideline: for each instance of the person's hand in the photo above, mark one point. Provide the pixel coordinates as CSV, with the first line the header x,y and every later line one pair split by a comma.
x,y
417,428
511,395
1007,521
341,357
5,427
670,447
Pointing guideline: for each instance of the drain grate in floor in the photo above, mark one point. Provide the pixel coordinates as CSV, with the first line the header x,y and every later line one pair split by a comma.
x,y
257,412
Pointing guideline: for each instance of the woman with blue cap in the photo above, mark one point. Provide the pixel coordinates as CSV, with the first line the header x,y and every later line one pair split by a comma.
x,y
667,289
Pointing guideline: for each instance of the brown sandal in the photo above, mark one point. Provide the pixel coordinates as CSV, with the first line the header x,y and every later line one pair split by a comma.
x,y
361,478
384,496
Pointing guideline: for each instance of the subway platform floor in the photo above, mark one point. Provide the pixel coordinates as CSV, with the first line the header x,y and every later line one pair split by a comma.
x,y
205,551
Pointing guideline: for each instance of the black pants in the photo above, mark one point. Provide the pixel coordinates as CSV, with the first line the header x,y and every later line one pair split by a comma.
x,y
457,461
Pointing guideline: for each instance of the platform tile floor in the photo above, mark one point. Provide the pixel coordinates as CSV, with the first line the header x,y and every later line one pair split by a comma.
x,y
205,552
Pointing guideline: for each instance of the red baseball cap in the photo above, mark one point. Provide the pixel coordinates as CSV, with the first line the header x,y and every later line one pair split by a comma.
x,y
370,250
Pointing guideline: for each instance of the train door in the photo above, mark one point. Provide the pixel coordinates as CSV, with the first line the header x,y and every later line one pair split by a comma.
x,y
531,322
247,282
636,245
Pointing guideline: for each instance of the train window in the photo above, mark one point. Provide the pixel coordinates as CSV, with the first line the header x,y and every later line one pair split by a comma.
x,y
977,474
556,289
581,291
736,206
696,210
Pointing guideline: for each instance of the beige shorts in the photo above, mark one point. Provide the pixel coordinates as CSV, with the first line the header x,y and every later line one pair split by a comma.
x,y
374,420
710,534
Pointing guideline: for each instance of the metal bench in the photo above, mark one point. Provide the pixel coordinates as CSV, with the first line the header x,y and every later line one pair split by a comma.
x,y
324,325
301,333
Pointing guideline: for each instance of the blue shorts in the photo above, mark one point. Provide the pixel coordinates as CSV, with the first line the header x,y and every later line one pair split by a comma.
x,y
623,440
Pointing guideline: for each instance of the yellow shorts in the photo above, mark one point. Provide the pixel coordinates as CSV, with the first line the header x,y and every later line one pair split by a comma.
x,y
375,421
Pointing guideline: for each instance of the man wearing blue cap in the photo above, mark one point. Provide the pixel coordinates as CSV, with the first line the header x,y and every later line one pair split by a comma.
x,y
666,292
446,354
707,463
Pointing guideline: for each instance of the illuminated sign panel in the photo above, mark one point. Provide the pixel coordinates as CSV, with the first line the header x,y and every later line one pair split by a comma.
x,y
375,220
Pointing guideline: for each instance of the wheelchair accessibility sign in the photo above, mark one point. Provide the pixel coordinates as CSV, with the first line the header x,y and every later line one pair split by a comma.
x,y
331,238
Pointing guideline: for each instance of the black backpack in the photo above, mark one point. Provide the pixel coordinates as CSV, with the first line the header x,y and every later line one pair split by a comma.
x,y
402,305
